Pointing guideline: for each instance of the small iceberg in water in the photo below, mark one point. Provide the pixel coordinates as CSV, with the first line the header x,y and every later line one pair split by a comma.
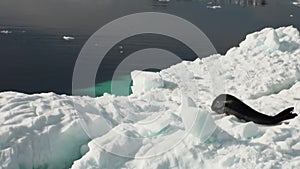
x,y
68,38
5,32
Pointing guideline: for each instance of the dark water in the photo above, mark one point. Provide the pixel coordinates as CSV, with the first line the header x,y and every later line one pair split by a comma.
x,y
35,58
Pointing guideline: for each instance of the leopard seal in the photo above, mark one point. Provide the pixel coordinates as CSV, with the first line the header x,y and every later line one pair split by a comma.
x,y
230,105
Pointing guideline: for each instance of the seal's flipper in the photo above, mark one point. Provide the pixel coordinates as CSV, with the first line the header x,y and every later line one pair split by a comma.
x,y
285,114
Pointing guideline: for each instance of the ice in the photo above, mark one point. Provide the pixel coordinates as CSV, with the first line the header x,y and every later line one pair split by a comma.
x,y
105,149
214,7
272,40
145,81
38,130
168,116
247,131
68,38
254,60
296,147
5,32
197,122
296,3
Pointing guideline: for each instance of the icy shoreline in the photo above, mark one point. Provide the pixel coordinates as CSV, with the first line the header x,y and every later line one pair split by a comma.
x,y
44,131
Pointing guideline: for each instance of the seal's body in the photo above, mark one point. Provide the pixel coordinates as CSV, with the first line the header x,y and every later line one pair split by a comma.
x,y
230,105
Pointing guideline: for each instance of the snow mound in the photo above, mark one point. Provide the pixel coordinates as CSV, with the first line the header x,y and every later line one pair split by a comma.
x,y
271,55
38,131
150,128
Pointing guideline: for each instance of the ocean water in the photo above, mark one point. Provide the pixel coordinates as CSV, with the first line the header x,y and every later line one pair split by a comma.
x,y
35,58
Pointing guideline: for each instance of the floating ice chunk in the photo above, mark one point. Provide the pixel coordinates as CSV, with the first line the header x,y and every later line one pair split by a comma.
x,y
296,3
68,38
272,40
197,122
145,81
5,32
214,7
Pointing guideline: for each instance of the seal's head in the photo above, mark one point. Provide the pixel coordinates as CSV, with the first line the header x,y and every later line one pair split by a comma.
x,y
219,103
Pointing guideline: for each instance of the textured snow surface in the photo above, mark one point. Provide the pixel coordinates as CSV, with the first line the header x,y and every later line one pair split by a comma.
x,y
151,129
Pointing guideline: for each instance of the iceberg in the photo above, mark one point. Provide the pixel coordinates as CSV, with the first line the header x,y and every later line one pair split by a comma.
x,y
147,129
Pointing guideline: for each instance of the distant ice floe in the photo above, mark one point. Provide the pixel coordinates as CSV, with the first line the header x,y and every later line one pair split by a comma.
x,y
68,38
58,131
163,0
296,3
5,32
214,7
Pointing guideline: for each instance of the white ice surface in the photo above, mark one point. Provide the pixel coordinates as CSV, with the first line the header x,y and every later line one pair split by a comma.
x,y
54,131
145,81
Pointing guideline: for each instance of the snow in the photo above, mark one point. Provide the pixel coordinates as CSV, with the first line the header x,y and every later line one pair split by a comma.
x,y
38,130
167,121
247,130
